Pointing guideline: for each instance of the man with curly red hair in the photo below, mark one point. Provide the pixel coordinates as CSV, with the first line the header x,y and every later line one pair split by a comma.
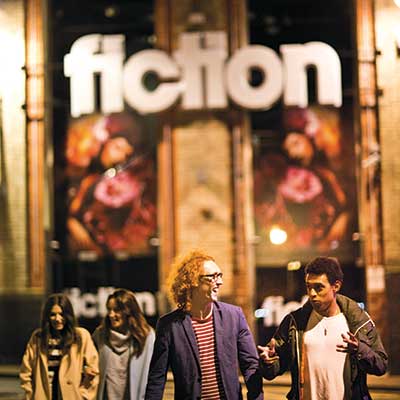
x,y
204,341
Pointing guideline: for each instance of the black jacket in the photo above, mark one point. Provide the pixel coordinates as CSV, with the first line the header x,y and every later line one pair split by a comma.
x,y
371,357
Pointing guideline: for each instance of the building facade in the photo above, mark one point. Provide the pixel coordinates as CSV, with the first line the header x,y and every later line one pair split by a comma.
x,y
134,131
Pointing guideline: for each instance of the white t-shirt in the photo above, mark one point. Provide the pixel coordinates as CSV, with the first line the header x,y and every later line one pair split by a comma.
x,y
326,371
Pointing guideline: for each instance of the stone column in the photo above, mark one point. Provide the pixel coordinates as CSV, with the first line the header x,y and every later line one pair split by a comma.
x,y
35,92
13,177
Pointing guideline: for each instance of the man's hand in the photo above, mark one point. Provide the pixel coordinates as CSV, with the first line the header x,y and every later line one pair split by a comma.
x,y
350,344
268,353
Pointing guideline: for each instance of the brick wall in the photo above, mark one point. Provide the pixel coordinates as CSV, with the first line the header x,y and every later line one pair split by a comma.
x,y
19,316
387,23
203,192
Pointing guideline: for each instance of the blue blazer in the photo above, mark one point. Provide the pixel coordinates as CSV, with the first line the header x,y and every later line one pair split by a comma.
x,y
176,347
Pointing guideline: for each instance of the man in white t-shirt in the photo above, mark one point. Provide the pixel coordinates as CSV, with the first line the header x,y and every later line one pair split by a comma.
x,y
329,344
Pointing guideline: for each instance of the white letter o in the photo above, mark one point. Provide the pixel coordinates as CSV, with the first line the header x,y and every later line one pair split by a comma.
x,y
238,86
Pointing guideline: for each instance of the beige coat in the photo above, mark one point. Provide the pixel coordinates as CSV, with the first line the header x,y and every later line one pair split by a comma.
x,y
34,375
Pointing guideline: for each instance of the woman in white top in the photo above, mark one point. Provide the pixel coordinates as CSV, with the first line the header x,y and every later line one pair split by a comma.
x,y
125,344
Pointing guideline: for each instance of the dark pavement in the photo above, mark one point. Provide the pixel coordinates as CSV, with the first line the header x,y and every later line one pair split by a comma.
x,y
386,387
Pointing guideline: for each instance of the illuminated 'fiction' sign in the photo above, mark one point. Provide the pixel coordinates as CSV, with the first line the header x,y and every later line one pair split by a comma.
x,y
198,73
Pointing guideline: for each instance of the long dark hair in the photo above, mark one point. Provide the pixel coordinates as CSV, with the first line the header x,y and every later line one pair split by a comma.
x,y
68,334
138,327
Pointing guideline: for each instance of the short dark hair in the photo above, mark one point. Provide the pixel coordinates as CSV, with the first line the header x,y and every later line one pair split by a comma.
x,y
325,265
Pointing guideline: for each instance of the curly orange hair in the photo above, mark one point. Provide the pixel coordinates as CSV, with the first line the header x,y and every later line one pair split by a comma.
x,y
184,276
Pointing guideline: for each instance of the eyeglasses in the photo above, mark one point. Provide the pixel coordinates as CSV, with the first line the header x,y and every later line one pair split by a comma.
x,y
212,277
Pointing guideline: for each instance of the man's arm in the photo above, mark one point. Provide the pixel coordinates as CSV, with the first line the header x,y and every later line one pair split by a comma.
x,y
277,352
367,348
248,361
159,363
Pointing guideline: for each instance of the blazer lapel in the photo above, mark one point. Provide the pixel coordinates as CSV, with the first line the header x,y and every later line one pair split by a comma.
x,y
218,331
189,332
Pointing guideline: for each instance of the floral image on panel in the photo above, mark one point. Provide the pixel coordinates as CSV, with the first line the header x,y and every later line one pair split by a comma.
x,y
302,185
111,192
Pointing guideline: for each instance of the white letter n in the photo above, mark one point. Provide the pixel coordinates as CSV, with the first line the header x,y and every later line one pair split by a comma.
x,y
297,58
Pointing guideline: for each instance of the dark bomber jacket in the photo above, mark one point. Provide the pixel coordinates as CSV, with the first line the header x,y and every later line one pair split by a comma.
x,y
371,357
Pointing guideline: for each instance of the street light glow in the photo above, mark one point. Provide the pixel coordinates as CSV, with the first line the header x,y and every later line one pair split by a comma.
x,y
277,235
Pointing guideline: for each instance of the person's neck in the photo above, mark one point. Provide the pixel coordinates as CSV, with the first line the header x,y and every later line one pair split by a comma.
x,y
123,330
333,310
201,310
54,334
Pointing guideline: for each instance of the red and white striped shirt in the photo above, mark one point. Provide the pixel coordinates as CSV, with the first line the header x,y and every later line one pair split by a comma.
x,y
211,383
